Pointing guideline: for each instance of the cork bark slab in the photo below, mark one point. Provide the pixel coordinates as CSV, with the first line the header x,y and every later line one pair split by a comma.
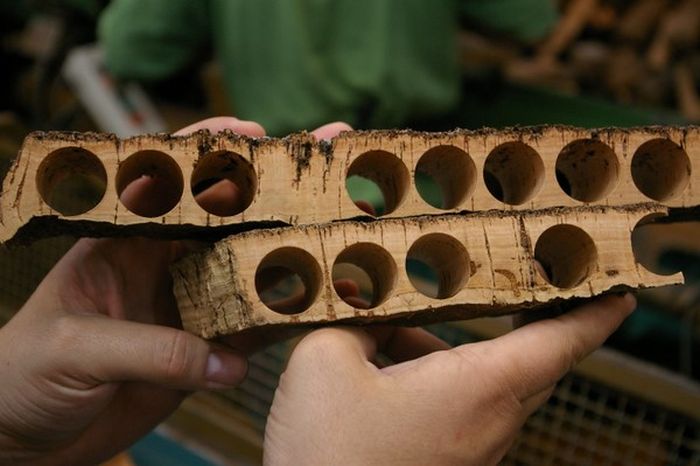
x,y
298,181
485,264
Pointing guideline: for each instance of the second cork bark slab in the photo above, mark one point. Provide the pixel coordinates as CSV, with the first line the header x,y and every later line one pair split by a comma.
x,y
485,266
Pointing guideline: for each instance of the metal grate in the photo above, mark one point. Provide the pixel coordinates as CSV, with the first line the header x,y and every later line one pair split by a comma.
x,y
586,423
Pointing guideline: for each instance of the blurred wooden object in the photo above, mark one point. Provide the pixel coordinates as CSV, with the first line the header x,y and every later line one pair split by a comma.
x,y
623,50
680,28
577,14
551,74
639,21
476,50
687,92
623,73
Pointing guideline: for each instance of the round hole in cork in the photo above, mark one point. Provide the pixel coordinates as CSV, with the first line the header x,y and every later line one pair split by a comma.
x,y
71,180
661,169
437,265
513,173
587,170
565,256
288,280
664,248
364,275
153,176
445,176
224,183
377,182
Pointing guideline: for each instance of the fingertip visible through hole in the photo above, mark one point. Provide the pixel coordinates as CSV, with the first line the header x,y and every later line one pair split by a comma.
x,y
371,268
159,182
445,177
377,182
224,183
288,280
437,265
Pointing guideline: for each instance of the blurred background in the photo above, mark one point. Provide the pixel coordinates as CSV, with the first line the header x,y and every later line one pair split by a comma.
x,y
135,66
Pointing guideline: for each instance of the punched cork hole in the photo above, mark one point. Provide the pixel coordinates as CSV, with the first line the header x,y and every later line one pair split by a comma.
x,y
437,265
377,182
661,169
71,180
224,183
587,170
150,175
658,246
445,177
364,275
514,173
566,256
288,280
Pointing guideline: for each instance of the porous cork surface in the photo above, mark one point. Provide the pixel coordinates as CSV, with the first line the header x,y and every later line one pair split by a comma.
x,y
299,200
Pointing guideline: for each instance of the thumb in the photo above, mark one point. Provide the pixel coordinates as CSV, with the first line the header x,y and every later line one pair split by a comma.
x,y
338,348
108,350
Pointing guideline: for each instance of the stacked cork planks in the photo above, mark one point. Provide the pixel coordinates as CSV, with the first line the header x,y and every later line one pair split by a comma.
x,y
524,217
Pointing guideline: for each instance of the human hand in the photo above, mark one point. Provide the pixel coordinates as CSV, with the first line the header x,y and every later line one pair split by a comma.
x,y
95,358
437,405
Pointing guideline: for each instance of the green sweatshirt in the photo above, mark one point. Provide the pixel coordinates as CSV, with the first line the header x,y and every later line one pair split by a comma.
x,y
295,64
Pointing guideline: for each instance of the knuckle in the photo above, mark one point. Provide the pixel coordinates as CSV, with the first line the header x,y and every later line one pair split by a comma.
x,y
574,350
318,345
175,355
508,406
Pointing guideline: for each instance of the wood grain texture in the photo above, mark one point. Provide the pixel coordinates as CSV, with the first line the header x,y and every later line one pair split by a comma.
x,y
298,181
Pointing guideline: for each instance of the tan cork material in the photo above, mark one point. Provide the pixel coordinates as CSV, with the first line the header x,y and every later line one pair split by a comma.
x,y
299,181
528,217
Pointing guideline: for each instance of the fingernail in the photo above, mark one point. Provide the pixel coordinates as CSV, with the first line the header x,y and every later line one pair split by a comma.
x,y
631,301
225,369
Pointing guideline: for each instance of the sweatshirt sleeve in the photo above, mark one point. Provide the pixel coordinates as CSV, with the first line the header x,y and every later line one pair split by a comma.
x,y
526,20
152,39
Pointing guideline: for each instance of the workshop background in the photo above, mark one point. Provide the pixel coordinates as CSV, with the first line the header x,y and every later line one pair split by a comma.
x,y
134,66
